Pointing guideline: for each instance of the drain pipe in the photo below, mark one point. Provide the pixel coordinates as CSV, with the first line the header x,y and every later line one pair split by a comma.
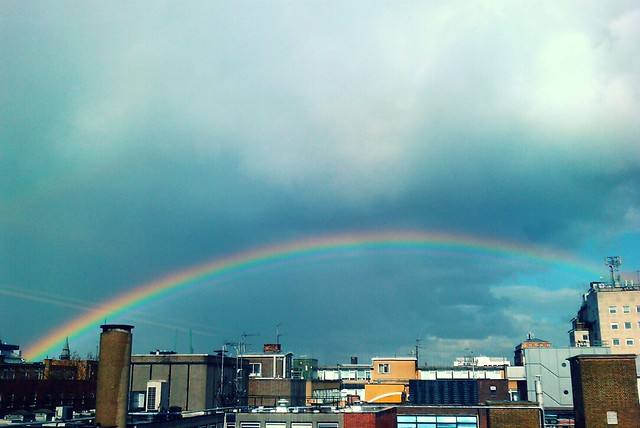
x,y
539,396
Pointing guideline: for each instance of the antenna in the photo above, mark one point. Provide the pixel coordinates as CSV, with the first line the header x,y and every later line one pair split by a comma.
x,y
416,351
278,334
613,262
243,343
190,341
242,348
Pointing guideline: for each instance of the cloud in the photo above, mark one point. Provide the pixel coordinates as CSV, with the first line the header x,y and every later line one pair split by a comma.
x,y
143,138
540,311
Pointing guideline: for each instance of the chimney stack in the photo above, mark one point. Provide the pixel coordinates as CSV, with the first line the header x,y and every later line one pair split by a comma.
x,y
114,366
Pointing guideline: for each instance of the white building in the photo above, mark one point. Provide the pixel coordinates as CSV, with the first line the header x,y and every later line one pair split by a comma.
x,y
609,316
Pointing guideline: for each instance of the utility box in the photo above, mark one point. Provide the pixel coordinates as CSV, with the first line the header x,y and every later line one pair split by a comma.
x,y
64,413
136,401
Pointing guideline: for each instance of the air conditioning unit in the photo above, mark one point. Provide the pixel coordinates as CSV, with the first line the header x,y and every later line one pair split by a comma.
x,y
157,399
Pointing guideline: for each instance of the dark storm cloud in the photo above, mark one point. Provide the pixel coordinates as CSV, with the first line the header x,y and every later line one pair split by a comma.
x,y
141,139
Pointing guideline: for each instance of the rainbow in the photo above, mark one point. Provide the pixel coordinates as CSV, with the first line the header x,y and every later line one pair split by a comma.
x,y
340,245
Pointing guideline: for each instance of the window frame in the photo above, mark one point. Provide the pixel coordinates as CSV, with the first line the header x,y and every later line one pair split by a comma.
x,y
254,373
384,368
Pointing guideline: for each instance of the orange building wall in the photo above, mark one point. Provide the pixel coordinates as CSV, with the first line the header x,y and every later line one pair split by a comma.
x,y
399,369
385,393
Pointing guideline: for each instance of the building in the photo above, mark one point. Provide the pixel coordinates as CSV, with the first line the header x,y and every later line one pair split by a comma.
x,y
394,369
283,417
530,342
499,415
481,361
10,353
186,381
605,391
272,363
609,316
390,379
521,415
550,366
28,387
352,377
273,380
462,372
305,368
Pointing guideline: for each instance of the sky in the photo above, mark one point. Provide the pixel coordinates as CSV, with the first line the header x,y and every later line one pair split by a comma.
x,y
138,140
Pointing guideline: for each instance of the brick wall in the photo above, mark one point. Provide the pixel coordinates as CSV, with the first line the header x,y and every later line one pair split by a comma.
x,y
382,419
267,392
605,383
514,418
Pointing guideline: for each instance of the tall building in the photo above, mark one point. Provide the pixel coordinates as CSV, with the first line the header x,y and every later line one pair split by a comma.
x,y
609,316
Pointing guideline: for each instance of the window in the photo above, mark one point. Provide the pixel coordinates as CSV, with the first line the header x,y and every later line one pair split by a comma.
x,y
383,368
613,310
614,326
629,342
615,342
626,309
638,309
255,369
585,337
627,325
437,421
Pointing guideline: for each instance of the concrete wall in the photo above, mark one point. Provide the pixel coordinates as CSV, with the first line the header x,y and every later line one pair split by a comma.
x,y
552,366
194,379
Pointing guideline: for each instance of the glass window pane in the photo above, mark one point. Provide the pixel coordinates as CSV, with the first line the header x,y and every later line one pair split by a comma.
x,y
446,418
467,419
426,418
406,425
404,418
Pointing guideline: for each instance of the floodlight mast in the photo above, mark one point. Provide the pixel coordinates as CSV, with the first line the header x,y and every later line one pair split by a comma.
x,y
613,262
